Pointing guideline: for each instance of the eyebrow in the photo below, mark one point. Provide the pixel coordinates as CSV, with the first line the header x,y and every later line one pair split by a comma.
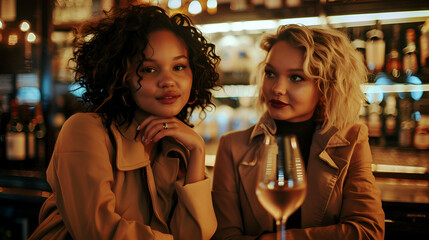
x,y
290,70
175,58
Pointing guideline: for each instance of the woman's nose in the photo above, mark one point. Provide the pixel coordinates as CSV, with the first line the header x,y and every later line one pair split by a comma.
x,y
166,80
280,87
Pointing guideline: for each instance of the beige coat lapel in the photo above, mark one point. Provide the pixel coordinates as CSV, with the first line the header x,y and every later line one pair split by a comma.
x,y
322,173
249,170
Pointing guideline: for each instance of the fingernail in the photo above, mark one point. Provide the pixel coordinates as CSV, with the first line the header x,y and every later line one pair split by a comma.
x,y
143,139
138,128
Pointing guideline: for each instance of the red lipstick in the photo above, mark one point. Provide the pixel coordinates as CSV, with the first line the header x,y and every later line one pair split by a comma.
x,y
168,98
277,103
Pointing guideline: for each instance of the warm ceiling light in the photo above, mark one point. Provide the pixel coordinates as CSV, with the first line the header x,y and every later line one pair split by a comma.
x,y
174,4
31,37
24,26
212,6
195,7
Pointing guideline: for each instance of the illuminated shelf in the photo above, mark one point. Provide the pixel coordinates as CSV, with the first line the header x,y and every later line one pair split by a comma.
x,y
239,91
337,21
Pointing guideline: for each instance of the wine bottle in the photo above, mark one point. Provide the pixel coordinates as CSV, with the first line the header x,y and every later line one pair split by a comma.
x,y
15,137
272,4
40,130
30,136
375,124
410,56
393,62
407,124
375,48
358,43
390,120
3,122
424,47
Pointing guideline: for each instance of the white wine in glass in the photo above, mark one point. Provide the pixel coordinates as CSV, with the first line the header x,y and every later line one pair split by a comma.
x,y
282,186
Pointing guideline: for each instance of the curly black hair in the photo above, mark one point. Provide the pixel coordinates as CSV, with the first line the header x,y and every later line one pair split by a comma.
x,y
104,49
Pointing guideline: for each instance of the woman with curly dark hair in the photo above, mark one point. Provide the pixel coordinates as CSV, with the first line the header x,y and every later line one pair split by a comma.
x,y
132,167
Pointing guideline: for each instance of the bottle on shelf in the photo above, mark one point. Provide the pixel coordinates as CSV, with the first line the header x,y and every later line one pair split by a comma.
x,y
30,136
375,48
375,124
424,47
358,43
393,61
40,131
3,122
272,4
15,137
410,63
390,122
406,123
421,136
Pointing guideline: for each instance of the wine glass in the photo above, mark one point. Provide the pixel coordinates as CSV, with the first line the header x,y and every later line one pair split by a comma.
x,y
282,185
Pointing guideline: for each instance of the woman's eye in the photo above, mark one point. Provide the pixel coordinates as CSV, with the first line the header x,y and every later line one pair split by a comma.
x,y
179,67
296,78
148,70
269,73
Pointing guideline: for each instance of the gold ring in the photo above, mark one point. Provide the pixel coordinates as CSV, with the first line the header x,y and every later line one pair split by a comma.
x,y
165,126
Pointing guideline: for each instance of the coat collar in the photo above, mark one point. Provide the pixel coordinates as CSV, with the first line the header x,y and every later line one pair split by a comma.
x,y
130,154
330,138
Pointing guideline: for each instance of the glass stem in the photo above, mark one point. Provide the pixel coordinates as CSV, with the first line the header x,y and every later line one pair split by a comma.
x,y
281,229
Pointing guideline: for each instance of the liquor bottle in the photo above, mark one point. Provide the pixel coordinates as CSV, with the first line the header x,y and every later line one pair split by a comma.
x,y
421,136
375,48
3,122
406,123
15,137
393,62
358,43
272,4
375,124
390,120
410,56
30,136
424,47
40,130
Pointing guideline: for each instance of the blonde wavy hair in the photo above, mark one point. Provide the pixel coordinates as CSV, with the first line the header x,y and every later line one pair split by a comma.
x,y
336,67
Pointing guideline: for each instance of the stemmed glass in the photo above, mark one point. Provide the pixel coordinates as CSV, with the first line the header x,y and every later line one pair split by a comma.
x,y
282,185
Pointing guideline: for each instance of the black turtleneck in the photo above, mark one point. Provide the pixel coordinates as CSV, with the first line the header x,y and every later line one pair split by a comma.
x,y
304,132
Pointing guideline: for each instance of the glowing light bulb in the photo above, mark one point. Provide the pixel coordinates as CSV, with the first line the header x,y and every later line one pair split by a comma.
x,y
31,37
1,24
195,7
24,26
174,4
212,6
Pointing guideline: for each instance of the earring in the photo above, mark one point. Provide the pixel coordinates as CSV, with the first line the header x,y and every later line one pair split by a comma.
x,y
196,97
125,101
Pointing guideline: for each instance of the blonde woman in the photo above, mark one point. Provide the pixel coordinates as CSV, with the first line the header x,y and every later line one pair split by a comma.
x,y
310,88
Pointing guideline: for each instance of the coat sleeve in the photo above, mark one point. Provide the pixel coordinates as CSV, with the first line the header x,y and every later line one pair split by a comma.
x,y
226,196
361,215
81,176
193,217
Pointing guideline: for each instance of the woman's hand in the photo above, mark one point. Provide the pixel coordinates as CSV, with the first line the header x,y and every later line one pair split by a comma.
x,y
154,128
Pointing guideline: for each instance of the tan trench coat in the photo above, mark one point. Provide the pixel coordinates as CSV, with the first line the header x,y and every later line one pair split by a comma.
x,y
342,200
103,193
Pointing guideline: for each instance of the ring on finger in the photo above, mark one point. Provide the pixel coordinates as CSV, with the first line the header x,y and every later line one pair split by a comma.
x,y
165,126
